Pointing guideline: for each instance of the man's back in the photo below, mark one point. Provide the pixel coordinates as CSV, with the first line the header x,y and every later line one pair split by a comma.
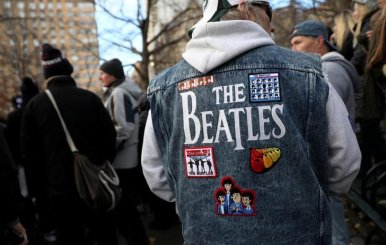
x,y
87,120
262,127
261,123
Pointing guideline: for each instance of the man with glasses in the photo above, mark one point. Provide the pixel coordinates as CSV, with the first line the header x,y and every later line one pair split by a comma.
x,y
267,121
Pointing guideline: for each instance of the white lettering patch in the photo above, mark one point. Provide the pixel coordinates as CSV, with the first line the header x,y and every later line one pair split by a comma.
x,y
264,87
199,162
195,83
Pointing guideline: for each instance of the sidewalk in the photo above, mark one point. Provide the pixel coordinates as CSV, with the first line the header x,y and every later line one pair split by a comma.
x,y
360,226
170,236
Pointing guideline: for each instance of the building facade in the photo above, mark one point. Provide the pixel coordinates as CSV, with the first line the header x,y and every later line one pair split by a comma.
x,y
26,24
178,16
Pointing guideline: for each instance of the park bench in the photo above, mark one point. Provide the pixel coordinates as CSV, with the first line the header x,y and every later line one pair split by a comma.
x,y
369,195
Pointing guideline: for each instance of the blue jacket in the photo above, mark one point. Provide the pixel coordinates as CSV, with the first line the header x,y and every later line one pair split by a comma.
x,y
261,120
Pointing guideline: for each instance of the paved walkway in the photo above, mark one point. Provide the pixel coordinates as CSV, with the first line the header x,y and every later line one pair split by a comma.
x,y
360,226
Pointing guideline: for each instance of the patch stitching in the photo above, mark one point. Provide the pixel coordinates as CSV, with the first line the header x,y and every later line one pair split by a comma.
x,y
202,160
264,87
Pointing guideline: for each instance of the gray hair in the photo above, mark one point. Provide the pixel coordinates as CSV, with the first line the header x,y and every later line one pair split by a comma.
x,y
234,13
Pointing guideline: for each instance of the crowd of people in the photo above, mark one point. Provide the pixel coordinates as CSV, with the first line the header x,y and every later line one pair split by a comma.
x,y
293,128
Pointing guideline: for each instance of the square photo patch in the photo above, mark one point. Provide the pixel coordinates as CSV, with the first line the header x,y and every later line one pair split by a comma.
x,y
199,162
264,87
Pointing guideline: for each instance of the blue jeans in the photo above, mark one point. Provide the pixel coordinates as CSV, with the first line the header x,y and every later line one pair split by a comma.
x,y
340,234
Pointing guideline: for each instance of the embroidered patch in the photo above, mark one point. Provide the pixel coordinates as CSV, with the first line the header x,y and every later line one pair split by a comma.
x,y
264,87
199,162
233,200
263,160
195,83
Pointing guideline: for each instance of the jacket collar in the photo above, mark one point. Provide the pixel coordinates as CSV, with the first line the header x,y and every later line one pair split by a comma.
x,y
215,43
60,81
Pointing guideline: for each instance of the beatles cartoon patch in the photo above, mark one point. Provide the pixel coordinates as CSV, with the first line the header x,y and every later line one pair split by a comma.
x,y
195,83
199,162
263,160
233,200
264,87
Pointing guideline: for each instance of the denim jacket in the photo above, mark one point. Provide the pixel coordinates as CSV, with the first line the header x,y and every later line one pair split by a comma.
x,y
244,148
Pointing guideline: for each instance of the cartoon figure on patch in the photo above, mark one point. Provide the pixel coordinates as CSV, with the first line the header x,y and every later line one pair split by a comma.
x,y
236,206
247,200
232,200
221,198
228,184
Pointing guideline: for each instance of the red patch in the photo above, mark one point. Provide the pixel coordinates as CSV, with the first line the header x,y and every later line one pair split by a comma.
x,y
261,160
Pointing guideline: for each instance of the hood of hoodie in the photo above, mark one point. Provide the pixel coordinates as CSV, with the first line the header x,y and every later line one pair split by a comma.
x,y
129,86
351,71
213,44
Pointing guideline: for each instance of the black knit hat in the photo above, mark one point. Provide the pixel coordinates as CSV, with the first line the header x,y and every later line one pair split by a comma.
x,y
54,63
113,67
28,89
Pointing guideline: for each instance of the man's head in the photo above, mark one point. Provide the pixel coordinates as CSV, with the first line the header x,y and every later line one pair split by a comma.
x,y
110,71
215,10
28,89
381,3
312,37
54,63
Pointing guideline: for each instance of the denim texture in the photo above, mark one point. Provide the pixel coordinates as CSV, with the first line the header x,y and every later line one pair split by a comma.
x,y
290,202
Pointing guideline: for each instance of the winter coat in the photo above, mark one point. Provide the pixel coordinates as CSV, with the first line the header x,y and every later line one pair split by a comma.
x,y
360,52
11,199
46,152
344,77
122,100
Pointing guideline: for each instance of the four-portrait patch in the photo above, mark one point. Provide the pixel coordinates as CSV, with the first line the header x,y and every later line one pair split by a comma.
x,y
264,87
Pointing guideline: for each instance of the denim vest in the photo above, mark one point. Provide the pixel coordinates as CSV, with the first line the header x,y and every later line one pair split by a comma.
x,y
244,148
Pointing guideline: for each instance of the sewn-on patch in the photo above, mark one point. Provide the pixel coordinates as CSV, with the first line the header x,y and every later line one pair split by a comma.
x,y
233,200
199,162
264,159
195,83
264,87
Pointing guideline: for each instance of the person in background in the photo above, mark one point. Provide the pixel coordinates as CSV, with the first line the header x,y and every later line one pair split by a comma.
x,y
47,154
41,205
362,13
343,33
311,36
122,99
11,199
374,90
235,108
370,113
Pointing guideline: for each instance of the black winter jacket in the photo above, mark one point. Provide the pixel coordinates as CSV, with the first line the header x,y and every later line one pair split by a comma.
x,y
46,153
11,199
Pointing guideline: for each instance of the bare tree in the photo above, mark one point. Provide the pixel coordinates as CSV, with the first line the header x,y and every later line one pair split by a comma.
x,y
297,11
153,39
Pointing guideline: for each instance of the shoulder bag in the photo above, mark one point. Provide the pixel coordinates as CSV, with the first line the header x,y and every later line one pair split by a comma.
x,y
97,185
